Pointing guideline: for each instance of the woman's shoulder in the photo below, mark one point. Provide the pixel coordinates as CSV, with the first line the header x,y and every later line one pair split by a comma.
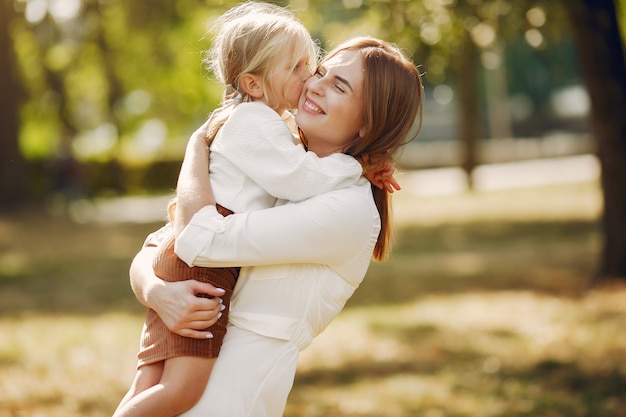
x,y
355,200
350,209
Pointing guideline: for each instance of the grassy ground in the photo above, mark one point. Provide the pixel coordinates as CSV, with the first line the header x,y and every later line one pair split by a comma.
x,y
484,309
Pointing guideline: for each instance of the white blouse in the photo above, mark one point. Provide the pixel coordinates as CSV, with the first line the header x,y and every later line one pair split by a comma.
x,y
301,261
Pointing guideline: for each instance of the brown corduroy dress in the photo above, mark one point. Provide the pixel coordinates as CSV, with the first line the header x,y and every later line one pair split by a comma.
x,y
157,341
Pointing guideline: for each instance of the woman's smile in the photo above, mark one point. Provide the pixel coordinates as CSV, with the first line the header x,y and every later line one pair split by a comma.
x,y
309,105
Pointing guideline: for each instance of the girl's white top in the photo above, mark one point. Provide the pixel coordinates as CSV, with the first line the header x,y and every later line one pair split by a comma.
x,y
255,160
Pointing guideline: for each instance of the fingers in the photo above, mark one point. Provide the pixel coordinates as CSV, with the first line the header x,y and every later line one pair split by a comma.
x,y
379,170
195,334
187,314
386,182
197,323
395,184
391,185
208,289
204,310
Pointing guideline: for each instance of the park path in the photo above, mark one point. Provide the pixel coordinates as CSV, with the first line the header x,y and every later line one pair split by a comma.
x,y
422,184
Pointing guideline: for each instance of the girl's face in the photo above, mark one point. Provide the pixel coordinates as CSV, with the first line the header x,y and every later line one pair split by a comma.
x,y
330,110
289,81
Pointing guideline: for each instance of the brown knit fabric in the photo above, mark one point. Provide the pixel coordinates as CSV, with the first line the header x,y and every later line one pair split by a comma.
x,y
157,341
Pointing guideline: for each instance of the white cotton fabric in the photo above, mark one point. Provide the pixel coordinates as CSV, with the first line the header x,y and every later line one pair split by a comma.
x,y
301,262
255,160
243,384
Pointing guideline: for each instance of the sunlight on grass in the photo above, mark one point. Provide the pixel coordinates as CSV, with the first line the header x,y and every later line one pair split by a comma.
x,y
473,354
64,365
509,353
581,201
483,310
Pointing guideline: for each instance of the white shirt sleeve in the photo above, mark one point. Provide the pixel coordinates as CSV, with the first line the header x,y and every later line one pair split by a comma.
x,y
258,142
332,229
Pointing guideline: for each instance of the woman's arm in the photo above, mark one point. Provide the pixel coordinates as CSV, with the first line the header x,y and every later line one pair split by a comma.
x,y
332,229
175,302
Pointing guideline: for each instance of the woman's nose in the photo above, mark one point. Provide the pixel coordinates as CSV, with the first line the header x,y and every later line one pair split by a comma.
x,y
314,85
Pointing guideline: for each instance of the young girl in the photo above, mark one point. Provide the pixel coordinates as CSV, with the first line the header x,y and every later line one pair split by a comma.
x,y
263,55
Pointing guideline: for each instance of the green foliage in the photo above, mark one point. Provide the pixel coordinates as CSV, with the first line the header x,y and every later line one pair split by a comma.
x,y
125,78
85,70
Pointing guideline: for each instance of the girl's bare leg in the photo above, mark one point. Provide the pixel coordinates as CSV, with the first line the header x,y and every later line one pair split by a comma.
x,y
146,377
182,383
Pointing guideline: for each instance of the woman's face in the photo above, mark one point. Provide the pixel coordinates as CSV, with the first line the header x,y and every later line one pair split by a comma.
x,y
330,110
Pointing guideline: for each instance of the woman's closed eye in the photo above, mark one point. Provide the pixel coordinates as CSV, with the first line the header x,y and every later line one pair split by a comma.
x,y
321,73
339,88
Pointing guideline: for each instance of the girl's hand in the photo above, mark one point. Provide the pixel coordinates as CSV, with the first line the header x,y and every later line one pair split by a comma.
x,y
183,311
379,171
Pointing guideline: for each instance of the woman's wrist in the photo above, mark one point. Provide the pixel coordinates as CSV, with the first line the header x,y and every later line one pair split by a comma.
x,y
153,291
140,276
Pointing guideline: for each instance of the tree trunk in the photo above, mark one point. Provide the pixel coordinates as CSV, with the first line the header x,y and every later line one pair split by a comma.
x,y
12,166
601,55
469,116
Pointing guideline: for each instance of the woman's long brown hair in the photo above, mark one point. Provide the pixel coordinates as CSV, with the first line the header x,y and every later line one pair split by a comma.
x,y
392,96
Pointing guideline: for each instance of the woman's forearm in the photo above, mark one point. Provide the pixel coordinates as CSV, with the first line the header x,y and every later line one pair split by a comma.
x,y
176,303
193,190
327,229
142,278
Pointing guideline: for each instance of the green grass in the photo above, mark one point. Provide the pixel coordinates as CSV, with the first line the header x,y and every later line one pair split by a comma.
x,y
484,309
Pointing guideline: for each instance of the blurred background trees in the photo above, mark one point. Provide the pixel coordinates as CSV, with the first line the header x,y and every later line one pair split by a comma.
x,y
100,95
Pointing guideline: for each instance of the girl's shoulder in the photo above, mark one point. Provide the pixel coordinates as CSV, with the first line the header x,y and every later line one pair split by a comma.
x,y
255,118
254,109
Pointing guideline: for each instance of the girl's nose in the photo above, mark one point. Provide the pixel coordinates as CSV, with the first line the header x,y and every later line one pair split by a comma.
x,y
305,74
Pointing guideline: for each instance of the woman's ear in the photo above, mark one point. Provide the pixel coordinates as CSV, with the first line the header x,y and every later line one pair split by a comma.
x,y
252,86
362,132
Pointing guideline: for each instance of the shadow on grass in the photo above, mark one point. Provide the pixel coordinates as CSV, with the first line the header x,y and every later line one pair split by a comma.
x,y
447,358
549,388
551,257
450,370
53,265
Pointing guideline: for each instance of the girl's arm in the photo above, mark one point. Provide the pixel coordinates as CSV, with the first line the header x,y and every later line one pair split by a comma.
x,y
193,190
175,302
258,142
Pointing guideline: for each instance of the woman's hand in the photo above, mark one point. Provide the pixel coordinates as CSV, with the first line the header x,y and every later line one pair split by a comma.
x,y
177,303
183,311
379,171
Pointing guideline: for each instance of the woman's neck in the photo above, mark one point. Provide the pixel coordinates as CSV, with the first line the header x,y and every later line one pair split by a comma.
x,y
321,150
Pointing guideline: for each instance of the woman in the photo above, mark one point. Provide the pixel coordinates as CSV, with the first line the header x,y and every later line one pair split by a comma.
x,y
300,261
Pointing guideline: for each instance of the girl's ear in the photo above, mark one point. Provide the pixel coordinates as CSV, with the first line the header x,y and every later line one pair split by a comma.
x,y
362,132
252,86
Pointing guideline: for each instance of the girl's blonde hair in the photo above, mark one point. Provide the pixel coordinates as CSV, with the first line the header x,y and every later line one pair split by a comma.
x,y
392,97
254,38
